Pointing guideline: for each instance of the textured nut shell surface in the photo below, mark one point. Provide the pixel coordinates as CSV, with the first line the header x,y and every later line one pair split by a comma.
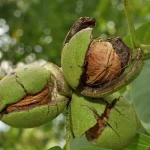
x,y
103,63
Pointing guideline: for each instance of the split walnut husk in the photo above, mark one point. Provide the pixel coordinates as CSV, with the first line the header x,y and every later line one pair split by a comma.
x,y
33,95
109,123
105,62
97,68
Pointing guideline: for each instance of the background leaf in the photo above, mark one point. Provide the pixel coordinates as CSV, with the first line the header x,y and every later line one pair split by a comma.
x,y
78,143
140,87
93,148
55,148
83,144
143,34
140,92
140,142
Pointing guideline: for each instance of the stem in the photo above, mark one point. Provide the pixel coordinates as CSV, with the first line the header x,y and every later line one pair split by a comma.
x,y
134,39
68,128
145,51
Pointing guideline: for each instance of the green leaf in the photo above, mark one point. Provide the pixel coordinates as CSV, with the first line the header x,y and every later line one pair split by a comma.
x,y
82,144
143,34
140,142
93,148
140,88
137,147
55,148
140,93
142,139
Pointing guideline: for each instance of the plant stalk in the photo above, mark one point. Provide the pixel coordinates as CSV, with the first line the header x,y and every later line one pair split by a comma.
x,y
68,128
145,51
134,39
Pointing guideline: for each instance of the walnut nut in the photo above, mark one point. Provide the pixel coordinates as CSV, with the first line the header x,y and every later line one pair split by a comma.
x,y
103,64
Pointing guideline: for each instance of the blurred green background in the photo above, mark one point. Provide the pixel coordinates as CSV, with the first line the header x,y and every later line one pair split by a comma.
x,y
33,31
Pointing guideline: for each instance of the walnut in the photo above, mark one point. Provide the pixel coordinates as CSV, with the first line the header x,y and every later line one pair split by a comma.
x,y
103,63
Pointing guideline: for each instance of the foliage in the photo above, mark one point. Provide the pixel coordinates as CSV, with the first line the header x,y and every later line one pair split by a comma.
x,y
140,99
35,30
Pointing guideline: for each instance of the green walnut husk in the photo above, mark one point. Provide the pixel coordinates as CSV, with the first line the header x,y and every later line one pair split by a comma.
x,y
85,60
73,65
33,95
109,125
